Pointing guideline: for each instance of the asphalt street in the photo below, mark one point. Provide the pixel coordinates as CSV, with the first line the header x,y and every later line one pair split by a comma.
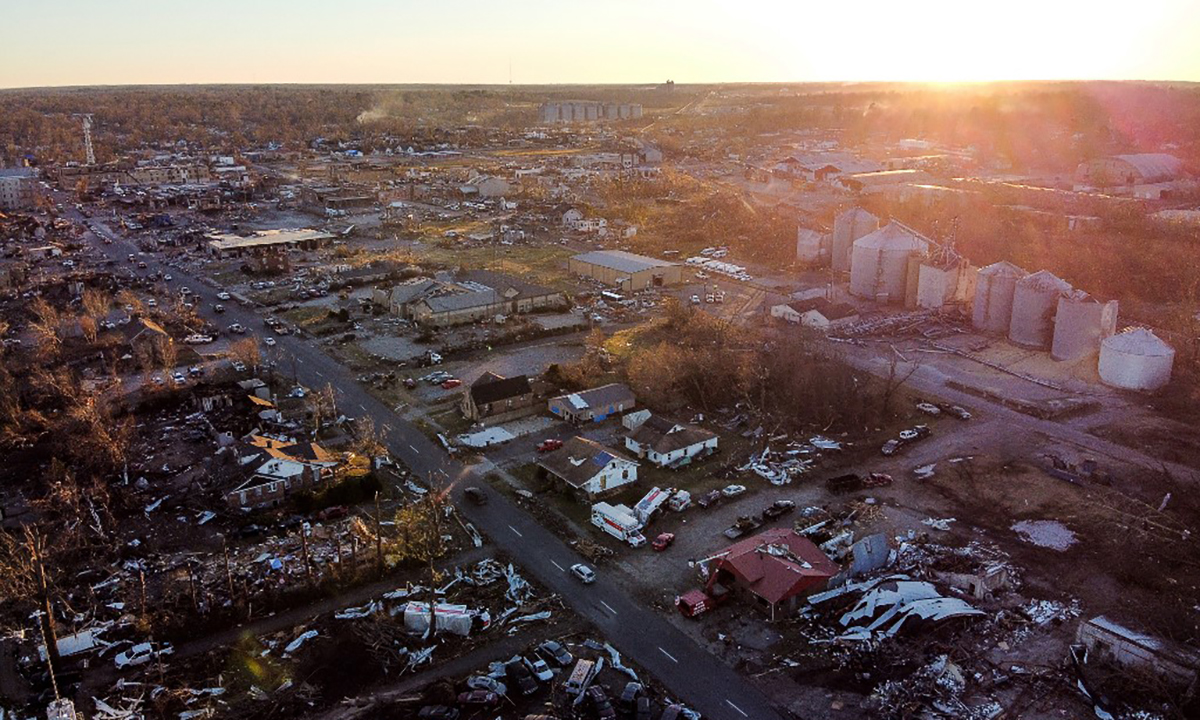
x,y
684,668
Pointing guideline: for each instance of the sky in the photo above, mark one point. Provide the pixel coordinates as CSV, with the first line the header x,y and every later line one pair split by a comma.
x,y
120,42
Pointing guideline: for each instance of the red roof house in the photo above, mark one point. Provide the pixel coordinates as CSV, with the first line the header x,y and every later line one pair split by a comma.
x,y
775,568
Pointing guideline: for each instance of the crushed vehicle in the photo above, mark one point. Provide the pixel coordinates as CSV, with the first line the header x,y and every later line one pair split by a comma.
x,y
744,524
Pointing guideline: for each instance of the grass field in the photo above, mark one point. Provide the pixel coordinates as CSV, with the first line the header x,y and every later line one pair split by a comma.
x,y
543,264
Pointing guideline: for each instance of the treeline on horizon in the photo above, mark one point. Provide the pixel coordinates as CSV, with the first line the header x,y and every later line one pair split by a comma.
x,y
1032,125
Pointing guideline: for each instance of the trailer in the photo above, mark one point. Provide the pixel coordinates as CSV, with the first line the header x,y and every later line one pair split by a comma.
x,y
618,521
698,602
648,506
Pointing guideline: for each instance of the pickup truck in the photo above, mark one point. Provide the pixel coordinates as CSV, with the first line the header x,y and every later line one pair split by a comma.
x,y
745,524
853,481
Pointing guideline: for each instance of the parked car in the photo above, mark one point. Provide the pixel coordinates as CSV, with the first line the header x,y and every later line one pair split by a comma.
x,y
641,709
628,700
141,654
270,342
336,512
224,296
549,445
451,384
438,712
538,667
239,366
485,682
179,379
219,308
663,541
709,499
584,573
237,329
476,495
695,299
778,509
197,339
478,699
671,712
520,676
195,371
554,651
957,411
929,408
733,490
601,707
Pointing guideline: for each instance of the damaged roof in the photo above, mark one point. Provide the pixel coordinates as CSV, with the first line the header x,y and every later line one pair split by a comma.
x,y
579,460
777,564
490,388
663,436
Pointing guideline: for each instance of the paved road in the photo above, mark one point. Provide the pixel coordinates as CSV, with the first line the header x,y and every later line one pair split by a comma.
x,y
683,667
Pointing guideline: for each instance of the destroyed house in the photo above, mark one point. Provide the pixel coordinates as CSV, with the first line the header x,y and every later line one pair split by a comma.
x,y
670,444
594,405
285,468
497,398
1114,644
775,569
589,469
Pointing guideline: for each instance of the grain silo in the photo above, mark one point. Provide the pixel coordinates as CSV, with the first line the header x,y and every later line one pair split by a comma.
x,y
879,262
810,245
1035,300
1135,360
946,282
994,296
1080,324
848,227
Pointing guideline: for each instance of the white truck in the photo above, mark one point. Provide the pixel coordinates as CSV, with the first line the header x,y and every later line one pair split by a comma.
x,y
618,521
645,508
681,500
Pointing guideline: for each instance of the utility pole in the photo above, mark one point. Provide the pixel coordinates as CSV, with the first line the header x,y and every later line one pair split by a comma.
x,y
49,636
378,537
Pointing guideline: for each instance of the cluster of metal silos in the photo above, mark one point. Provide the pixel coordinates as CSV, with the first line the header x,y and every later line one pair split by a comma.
x,y
847,228
880,261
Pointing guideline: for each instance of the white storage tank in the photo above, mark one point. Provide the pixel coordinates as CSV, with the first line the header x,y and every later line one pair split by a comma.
x,y
880,260
848,227
1035,300
1080,324
1135,359
994,296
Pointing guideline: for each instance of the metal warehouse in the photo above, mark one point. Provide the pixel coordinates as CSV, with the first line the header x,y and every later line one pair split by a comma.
x,y
628,271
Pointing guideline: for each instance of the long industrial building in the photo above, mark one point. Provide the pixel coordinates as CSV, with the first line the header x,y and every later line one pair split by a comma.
x,y
626,270
227,245
572,111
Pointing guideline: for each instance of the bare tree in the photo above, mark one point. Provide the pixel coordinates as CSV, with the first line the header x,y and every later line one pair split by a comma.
x,y
246,352
46,327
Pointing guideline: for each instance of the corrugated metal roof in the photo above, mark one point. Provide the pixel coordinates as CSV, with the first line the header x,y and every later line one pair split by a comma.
x,y
1003,269
1138,341
893,236
1154,166
622,261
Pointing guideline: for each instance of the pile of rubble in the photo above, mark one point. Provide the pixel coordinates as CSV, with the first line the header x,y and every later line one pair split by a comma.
x,y
792,459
